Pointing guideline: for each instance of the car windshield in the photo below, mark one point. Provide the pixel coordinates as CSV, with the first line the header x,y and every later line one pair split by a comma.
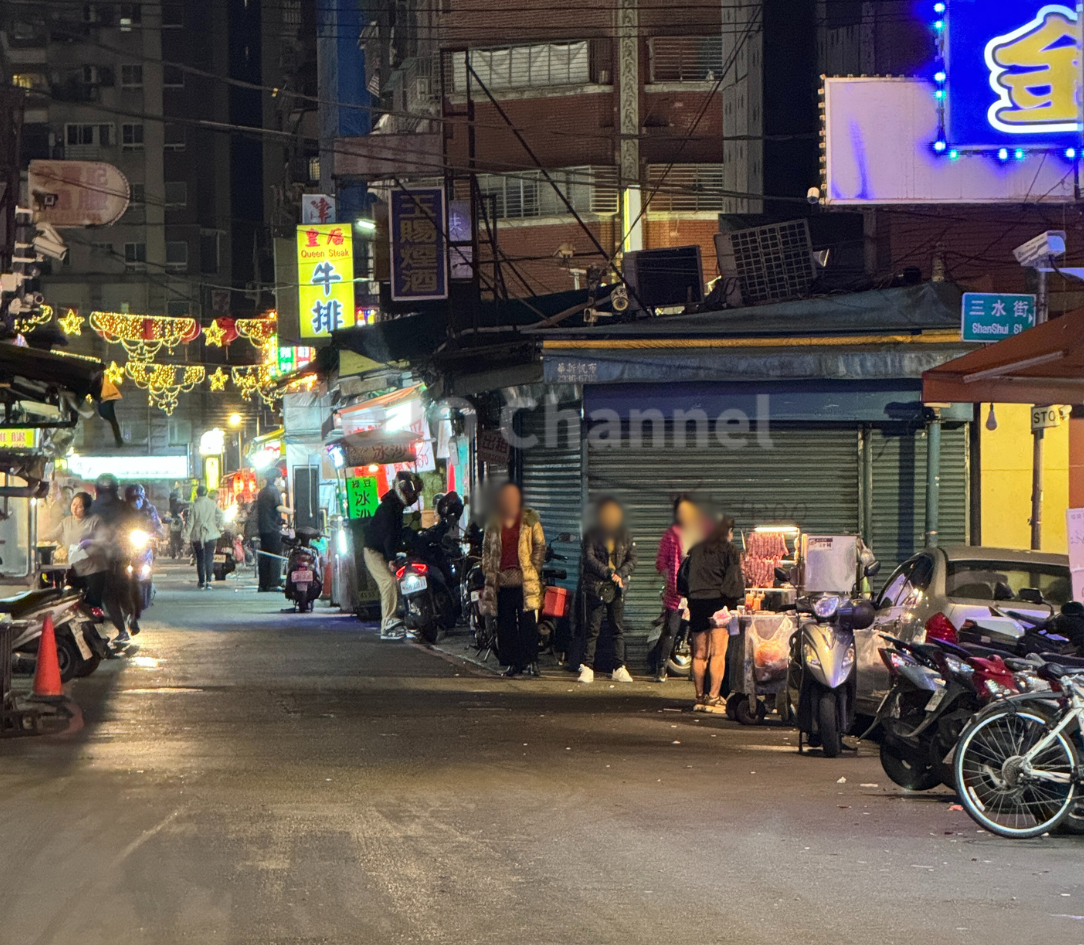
x,y
1004,580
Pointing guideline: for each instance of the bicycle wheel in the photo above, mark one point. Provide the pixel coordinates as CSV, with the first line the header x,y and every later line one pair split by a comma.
x,y
994,787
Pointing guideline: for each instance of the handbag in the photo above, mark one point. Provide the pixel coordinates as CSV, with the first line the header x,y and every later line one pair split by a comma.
x,y
682,583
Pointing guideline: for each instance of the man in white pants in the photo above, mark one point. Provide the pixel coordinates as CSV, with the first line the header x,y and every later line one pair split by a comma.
x,y
383,533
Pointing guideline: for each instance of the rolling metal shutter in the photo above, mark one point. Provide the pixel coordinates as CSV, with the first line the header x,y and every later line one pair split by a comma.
x,y
553,487
899,491
809,478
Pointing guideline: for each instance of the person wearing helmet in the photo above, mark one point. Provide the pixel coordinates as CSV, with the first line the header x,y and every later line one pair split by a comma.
x,y
136,499
383,535
115,515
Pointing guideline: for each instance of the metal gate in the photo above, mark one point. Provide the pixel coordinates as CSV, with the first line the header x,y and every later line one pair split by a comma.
x,y
809,477
553,486
899,457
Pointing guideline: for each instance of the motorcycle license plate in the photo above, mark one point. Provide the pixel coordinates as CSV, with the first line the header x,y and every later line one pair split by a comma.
x,y
475,596
935,700
84,647
301,577
220,559
413,583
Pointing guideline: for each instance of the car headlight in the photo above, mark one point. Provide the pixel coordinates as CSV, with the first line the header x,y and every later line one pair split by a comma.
x,y
958,666
139,539
810,655
826,607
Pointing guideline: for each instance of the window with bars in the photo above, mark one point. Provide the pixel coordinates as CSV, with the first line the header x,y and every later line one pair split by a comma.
x,y
527,194
685,58
685,188
523,67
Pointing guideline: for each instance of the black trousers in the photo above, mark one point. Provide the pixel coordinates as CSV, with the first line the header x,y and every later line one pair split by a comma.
x,y
597,608
205,560
664,646
270,569
517,630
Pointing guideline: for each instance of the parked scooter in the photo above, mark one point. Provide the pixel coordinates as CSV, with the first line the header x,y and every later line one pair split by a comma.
x,y
80,646
822,678
936,688
304,582
554,625
428,578
225,560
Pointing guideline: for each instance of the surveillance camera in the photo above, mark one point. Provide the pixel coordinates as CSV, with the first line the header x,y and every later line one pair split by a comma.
x,y
813,195
1038,252
619,299
44,246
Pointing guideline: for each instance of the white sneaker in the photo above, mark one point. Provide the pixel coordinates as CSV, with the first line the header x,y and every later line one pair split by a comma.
x,y
621,675
587,674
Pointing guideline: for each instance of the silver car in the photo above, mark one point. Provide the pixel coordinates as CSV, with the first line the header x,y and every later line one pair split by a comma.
x,y
938,589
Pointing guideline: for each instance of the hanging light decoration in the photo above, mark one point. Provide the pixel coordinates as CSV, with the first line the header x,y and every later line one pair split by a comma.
x,y
72,323
256,379
143,336
114,373
259,331
30,322
217,379
161,381
214,334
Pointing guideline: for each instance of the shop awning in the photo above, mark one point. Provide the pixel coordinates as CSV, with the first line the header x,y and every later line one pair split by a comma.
x,y
1043,365
383,401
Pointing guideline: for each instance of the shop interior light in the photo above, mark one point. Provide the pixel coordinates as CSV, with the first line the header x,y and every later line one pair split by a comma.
x,y
784,529
374,468
364,226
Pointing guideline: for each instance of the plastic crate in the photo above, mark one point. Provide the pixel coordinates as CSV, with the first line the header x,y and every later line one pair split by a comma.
x,y
557,602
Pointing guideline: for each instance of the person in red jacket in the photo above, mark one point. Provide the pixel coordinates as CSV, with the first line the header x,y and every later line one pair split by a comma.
x,y
686,531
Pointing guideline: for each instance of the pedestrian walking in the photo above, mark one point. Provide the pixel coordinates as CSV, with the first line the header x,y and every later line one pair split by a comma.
x,y
269,509
609,558
513,551
687,530
714,581
204,528
383,536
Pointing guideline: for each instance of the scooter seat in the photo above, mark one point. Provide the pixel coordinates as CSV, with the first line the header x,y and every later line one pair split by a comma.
x,y
30,601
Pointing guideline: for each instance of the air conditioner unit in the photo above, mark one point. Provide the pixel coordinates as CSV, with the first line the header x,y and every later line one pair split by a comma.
x,y
664,277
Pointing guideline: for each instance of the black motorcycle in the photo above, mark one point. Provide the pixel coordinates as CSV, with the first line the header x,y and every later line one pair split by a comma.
x,y
429,581
304,582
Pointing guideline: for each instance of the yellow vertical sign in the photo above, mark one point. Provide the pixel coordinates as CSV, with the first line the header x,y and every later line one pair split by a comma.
x,y
325,275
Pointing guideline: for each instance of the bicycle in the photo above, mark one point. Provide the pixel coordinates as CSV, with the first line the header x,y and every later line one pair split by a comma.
x,y
1017,765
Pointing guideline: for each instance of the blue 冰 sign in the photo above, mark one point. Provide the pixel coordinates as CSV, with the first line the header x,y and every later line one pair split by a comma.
x,y
1013,74
994,316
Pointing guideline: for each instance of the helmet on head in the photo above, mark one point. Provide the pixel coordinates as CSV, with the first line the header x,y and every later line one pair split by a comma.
x,y
450,506
133,492
407,487
106,482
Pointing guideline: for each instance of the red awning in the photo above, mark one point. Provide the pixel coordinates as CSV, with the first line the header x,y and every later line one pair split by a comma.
x,y
1043,365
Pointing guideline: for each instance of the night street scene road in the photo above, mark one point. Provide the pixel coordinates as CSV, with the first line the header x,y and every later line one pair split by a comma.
x,y
585,473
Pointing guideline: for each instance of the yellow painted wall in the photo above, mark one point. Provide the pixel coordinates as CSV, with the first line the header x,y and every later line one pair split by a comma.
x,y
1005,457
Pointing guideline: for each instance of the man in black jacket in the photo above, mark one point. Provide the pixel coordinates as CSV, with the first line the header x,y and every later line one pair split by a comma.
x,y
269,520
383,535
609,558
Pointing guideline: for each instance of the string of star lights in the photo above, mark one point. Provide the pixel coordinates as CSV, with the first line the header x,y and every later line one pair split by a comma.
x,y
114,373
161,382
72,323
217,379
256,379
30,322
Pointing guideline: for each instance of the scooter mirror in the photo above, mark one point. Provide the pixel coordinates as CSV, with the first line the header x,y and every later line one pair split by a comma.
x,y
873,569
565,536
857,614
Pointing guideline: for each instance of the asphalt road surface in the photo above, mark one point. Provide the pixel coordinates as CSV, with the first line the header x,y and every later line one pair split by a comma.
x,y
249,776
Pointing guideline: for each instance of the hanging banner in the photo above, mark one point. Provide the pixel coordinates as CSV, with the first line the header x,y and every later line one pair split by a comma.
x,y
419,251
325,275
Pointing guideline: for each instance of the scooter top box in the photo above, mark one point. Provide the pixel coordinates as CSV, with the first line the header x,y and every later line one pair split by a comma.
x,y
557,602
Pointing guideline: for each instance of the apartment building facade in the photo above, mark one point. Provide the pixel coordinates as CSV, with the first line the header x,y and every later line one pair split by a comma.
x,y
616,102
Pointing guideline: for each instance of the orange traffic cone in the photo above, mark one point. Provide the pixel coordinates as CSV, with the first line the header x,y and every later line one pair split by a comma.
x,y
47,672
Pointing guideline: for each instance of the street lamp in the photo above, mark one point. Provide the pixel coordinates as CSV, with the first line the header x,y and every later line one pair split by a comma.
x,y
236,421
